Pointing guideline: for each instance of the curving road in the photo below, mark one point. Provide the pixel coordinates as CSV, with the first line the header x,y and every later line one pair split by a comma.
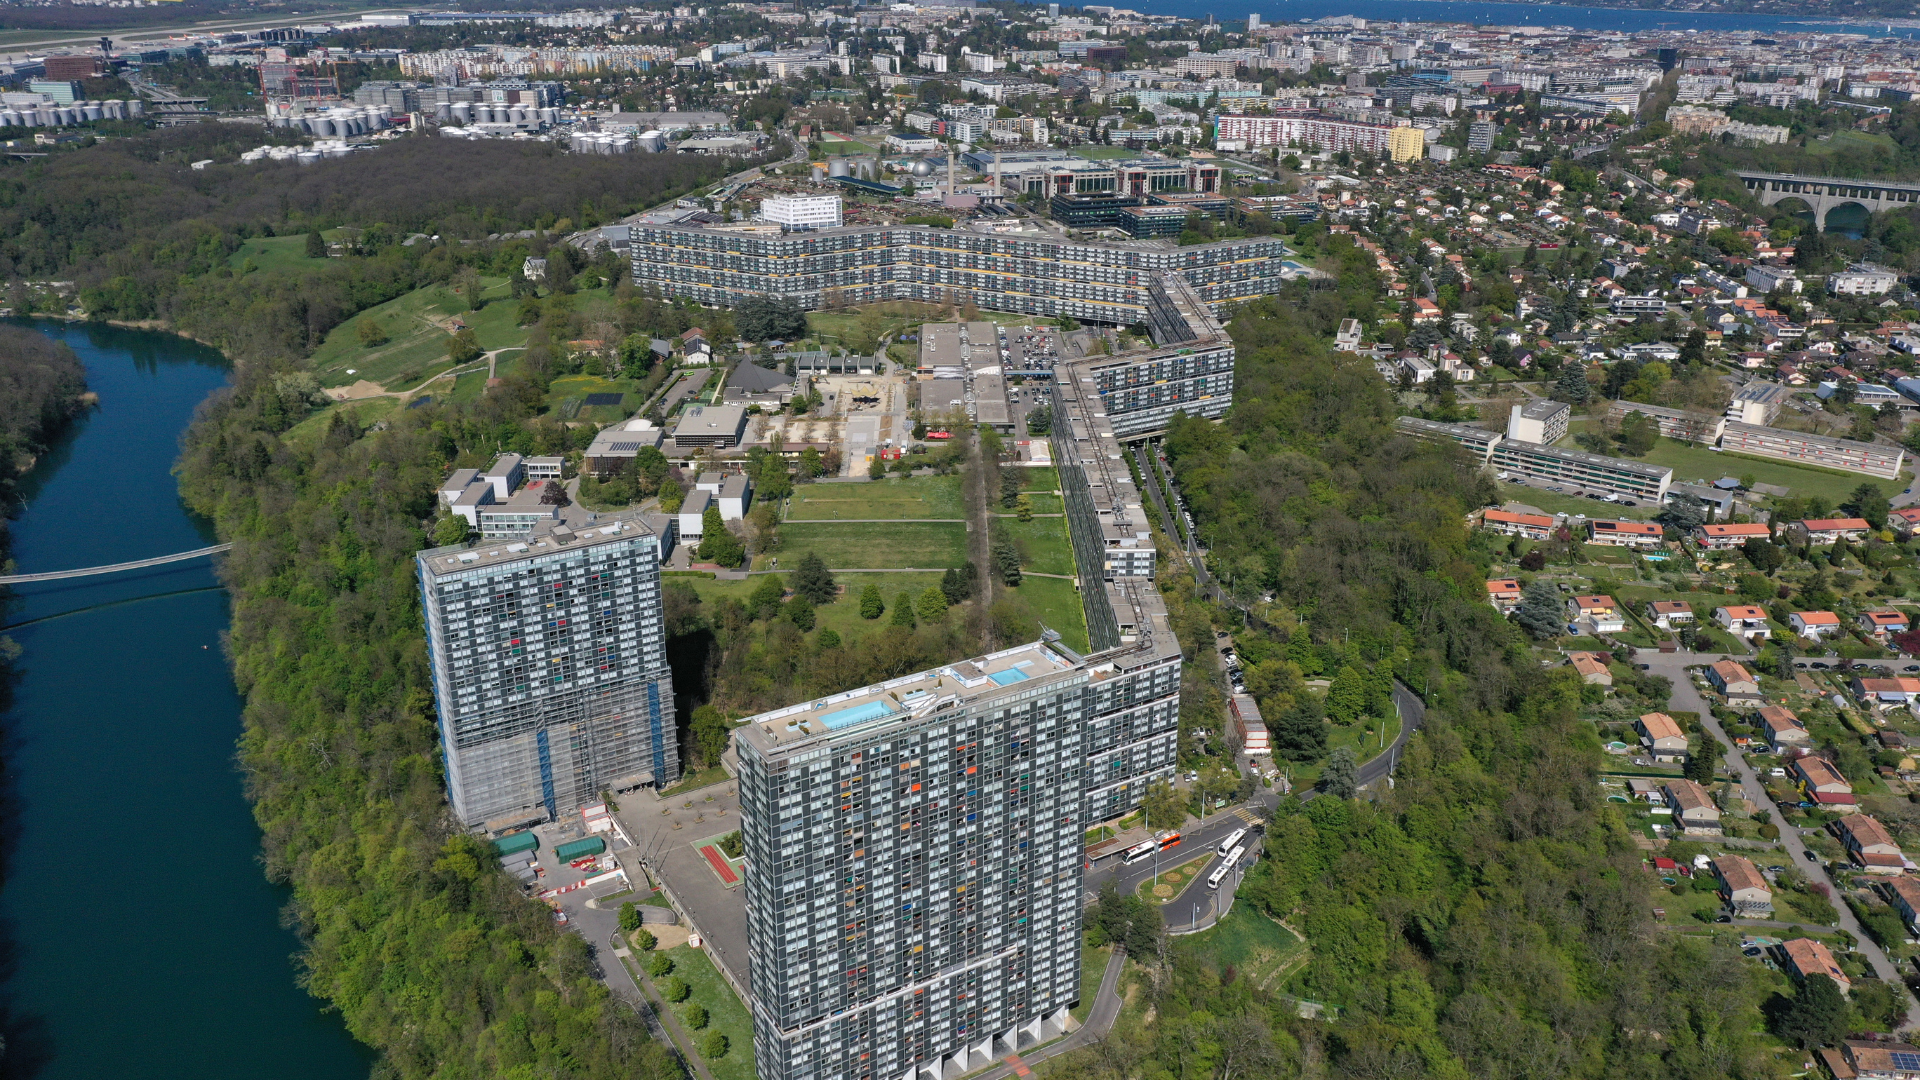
x,y
1413,713
1106,1009
138,564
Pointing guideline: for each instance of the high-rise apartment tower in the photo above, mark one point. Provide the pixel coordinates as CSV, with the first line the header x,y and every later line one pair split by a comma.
x,y
549,668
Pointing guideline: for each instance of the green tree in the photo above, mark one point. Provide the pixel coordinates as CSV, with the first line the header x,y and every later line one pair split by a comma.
x,y
1339,779
659,965
1704,760
1867,502
764,602
1006,560
675,989
1572,385
643,939
717,545
629,916
450,530
811,464
713,1045
933,604
1541,612
1166,807
370,332
695,1017
1765,555
463,347
814,581
871,605
1815,1016
1347,696
672,497
316,245
903,610
1023,508
1299,732
1300,651
711,733
799,611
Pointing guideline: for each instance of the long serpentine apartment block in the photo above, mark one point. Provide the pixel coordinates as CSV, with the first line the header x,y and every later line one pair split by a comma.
x,y
1097,282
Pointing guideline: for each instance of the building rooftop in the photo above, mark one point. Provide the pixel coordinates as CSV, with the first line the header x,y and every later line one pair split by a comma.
x,y
551,538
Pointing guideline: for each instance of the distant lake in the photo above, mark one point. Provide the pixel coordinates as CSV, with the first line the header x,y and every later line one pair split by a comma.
x,y
1629,20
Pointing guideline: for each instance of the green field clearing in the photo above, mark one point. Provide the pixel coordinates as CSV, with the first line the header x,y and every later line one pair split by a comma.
x,y
1056,604
846,148
306,434
843,615
1259,948
724,1011
1043,502
908,498
1690,462
1101,153
567,395
1046,478
416,336
895,317
876,545
278,252
1043,542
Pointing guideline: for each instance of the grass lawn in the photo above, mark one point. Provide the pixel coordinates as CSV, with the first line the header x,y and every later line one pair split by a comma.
x,y
1259,948
1093,968
1043,502
416,336
895,317
1057,605
307,432
278,252
876,545
845,148
724,1011
1043,543
1690,462
566,398
908,498
1044,478
1101,153
693,781
841,616
1173,880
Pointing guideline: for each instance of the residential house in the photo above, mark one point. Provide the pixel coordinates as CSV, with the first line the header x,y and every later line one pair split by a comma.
x,y
1783,729
1662,737
1746,622
1904,894
1904,520
1828,530
1886,693
1814,625
1872,1059
1879,625
1738,685
1722,537
1821,784
1746,893
1504,593
1669,614
1693,808
1593,672
1531,526
1870,844
1634,534
1802,957
1596,614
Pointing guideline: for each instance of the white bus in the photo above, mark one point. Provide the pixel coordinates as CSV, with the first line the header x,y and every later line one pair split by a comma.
x,y
1226,866
1230,842
1142,850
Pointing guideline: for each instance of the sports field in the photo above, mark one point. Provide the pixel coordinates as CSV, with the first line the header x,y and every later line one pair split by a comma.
x,y
908,498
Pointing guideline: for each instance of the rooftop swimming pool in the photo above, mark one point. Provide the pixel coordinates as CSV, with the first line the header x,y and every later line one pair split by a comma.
x,y
1007,677
872,710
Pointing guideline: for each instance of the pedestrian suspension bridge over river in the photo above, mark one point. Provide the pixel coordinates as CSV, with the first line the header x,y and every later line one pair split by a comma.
x,y
137,564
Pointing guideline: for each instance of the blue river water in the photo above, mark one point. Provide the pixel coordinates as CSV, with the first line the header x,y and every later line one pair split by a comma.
x,y
1494,14
138,937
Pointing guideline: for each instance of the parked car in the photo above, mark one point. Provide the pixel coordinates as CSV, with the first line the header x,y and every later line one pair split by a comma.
x,y
1811,857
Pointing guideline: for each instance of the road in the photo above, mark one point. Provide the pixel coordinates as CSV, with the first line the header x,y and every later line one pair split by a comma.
x,y
1686,697
1106,1009
1413,713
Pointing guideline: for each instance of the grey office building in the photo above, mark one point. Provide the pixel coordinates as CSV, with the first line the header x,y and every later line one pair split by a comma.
x,y
549,668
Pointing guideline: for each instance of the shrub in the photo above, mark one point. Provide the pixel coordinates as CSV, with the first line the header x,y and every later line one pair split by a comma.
x,y
676,989
644,940
713,1045
696,1016
661,965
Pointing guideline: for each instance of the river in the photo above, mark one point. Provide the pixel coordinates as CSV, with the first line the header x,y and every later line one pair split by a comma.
x,y
1480,13
138,938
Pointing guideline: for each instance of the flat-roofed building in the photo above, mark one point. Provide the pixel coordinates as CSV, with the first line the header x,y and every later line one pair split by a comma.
x,y
1478,441
1673,423
1541,420
1846,455
1558,464
715,427
619,444
1758,402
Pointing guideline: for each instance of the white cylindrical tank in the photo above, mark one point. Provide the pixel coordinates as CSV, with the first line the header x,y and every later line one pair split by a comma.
x,y
549,115
517,115
652,141
443,112
308,157
93,111
136,107
462,112
837,167
622,144
115,109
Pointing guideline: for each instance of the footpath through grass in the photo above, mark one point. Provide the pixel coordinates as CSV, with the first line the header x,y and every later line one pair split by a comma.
x,y
416,327
1261,950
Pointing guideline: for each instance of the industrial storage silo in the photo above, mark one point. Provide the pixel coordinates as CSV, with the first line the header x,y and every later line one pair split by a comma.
x,y
116,109
837,167
652,141
622,144
136,107
321,126
443,112
549,115
462,112
91,111
517,115
308,157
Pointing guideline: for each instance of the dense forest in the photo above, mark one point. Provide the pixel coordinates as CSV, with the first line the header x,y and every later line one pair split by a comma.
x,y
146,237
42,388
1487,916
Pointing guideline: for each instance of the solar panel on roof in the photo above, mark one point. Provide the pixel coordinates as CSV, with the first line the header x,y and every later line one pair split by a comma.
x,y
604,399
1904,1060
623,447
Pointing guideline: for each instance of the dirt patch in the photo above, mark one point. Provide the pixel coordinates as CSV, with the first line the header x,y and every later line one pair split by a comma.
x,y
365,388
667,936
